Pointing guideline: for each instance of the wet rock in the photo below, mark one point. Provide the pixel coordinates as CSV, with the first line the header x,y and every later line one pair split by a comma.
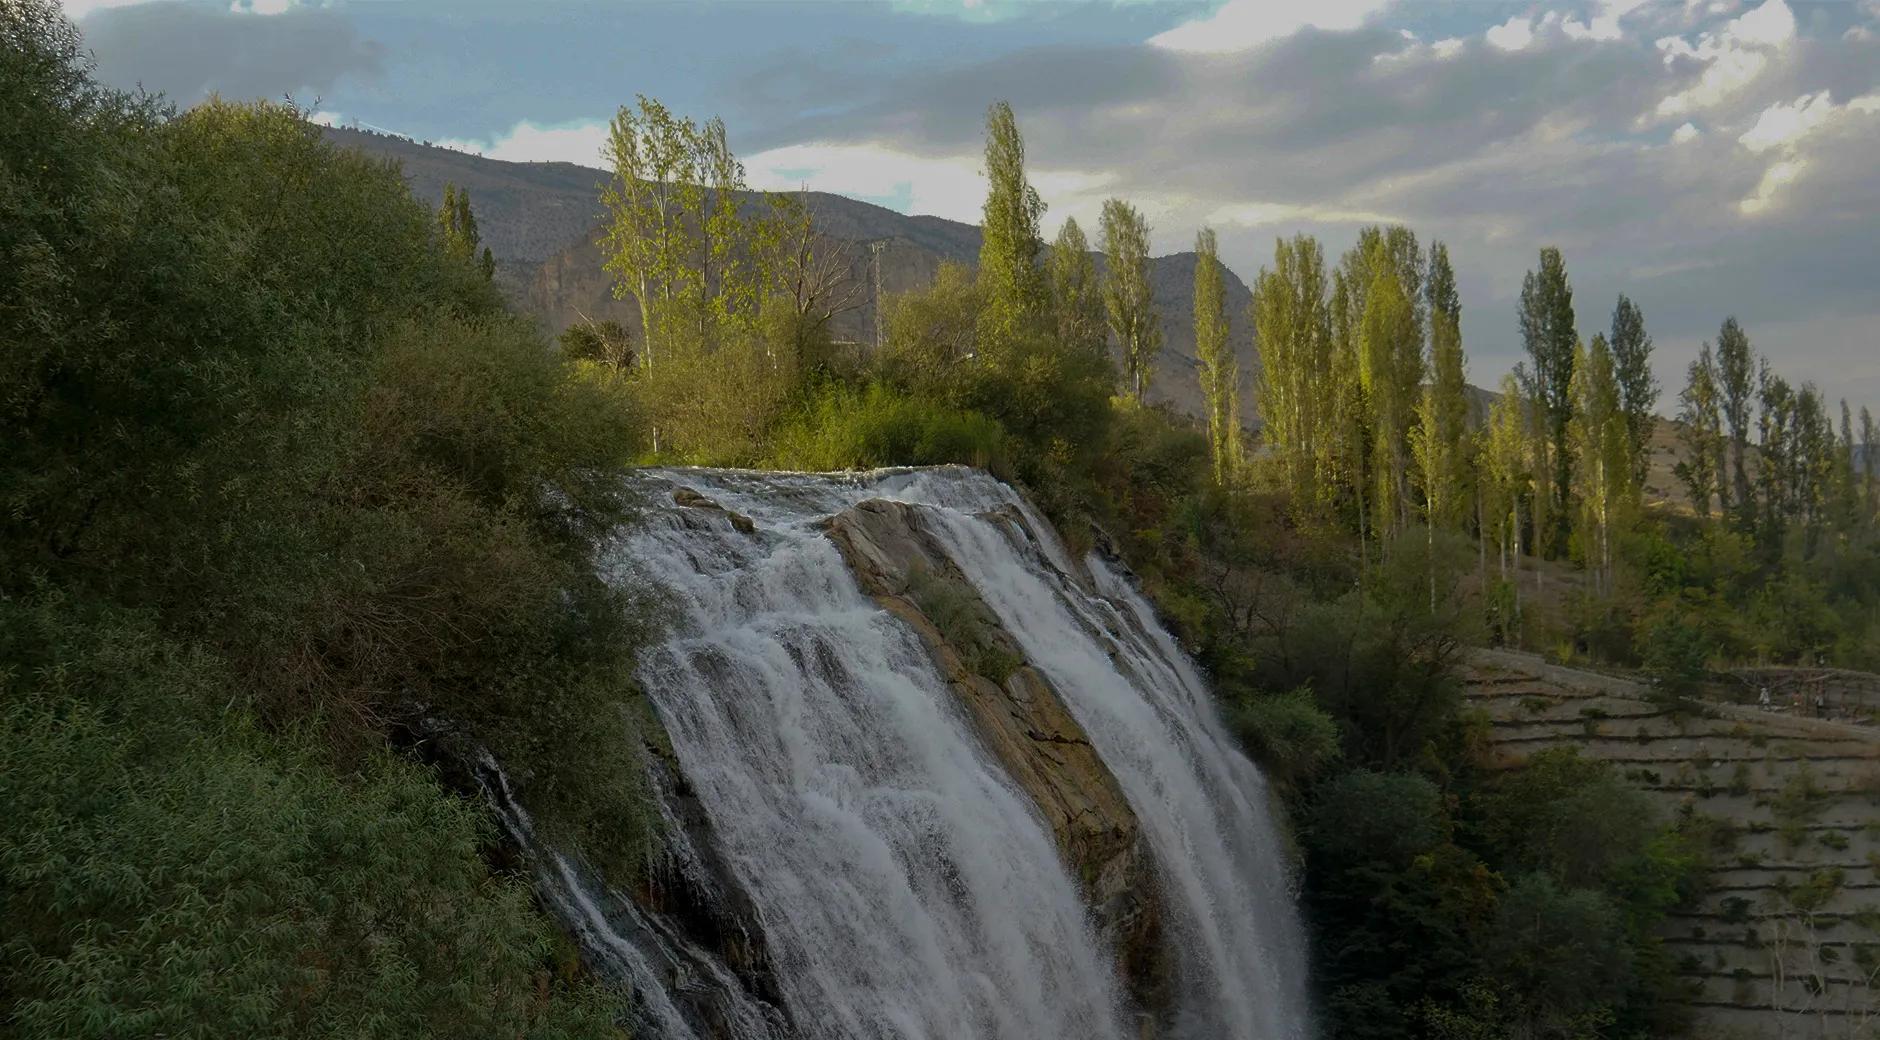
x,y
691,499
1023,722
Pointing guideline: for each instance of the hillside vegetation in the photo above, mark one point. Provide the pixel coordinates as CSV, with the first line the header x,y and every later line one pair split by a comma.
x,y
282,481
299,516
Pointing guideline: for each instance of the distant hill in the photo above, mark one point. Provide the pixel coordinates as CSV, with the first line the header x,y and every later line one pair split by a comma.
x,y
540,222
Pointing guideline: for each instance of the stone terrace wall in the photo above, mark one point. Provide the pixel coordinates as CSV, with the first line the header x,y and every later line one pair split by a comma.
x,y
1783,941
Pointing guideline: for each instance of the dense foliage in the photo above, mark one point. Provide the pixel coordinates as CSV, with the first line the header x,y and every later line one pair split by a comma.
x,y
282,483
296,511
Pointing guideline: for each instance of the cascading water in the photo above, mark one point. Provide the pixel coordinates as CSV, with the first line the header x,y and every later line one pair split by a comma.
x,y
904,886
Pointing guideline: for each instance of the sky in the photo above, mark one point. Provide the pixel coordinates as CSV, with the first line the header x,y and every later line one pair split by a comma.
x,y
1705,157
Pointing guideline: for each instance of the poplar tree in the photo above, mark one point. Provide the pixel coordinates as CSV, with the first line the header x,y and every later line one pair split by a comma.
x,y
1816,466
1847,478
1638,387
1869,464
1601,455
1507,469
1218,369
1701,470
1010,240
1128,298
1350,416
1076,296
1775,479
1299,379
1549,336
457,228
723,292
1385,338
652,204
1736,371
1541,454
1444,416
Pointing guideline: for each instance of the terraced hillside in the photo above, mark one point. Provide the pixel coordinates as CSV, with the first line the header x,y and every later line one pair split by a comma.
x,y
1785,940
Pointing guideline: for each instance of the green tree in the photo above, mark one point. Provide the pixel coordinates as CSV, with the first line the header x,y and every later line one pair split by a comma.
x,y
1128,297
604,342
1549,337
1444,460
457,226
1390,371
1601,456
726,290
1298,382
1770,505
1869,463
1847,476
1701,415
1638,387
1218,368
1010,238
1076,295
1506,469
1736,384
653,205
1543,450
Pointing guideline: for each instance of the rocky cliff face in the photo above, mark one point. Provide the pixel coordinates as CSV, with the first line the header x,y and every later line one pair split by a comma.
x,y
1021,719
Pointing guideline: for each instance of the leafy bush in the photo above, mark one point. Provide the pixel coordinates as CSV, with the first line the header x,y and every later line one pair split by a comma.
x,y
167,870
1287,734
844,428
281,483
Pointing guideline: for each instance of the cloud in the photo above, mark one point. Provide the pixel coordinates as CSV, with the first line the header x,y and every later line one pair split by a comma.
x,y
1496,151
576,142
1605,24
1732,57
1513,35
1239,25
76,9
1785,124
187,51
1785,128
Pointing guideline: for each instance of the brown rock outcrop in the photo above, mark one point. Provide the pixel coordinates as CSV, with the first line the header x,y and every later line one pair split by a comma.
x,y
1023,722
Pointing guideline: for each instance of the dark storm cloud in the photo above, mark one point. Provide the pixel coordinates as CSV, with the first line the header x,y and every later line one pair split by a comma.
x,y
187,51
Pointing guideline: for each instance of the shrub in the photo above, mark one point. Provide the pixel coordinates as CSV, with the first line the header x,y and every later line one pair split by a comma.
x,y
1286,733
843,428
169,870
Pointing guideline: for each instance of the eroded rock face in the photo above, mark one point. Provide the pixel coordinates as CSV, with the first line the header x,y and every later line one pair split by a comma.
x,y
1023,722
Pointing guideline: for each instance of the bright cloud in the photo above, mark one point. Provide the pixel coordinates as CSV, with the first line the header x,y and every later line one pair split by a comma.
x,y
943,186
578,143
1238,25
1512,35
1266,214
1686,133
1604,25
1773,180
1784,128
1785,124
76,9
951,186
1734,57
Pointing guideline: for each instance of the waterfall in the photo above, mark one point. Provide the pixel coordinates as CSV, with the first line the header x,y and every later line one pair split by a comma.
x,y
904,886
